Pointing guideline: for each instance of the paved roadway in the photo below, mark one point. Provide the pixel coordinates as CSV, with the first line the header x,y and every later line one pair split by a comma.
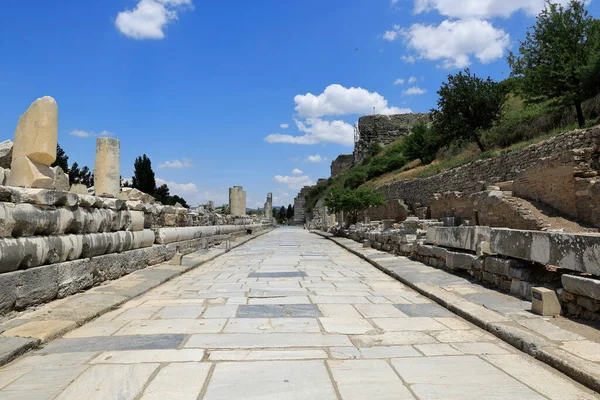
x,y
289,315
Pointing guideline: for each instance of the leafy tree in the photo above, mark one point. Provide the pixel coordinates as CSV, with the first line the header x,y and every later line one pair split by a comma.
x,y
62,160
143,175
81,175
176,199
560,57
282,215
352,201
162,194
421,144
467,106
355,178
290,212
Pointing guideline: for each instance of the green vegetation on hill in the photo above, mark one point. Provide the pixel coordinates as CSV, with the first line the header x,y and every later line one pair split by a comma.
x,y
549,92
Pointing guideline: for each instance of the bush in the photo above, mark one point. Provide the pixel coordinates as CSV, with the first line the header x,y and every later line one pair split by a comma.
x,y
355,178
422,144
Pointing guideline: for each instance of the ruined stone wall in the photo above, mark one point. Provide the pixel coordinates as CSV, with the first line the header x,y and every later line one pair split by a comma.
x,y
570,185
299,205
341,164
383,130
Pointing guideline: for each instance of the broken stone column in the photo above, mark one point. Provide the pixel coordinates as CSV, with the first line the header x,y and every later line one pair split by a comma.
x,y
107,173
269,207
34,150
237,201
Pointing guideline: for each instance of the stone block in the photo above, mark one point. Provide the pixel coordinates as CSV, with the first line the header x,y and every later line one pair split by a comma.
x,y
30,174
6,151
462,237
544,302
520,288
107,175
61,179
464,261
36,136
36,286
79,188
575,252
582,286
8,291
499,266
176,260
74,276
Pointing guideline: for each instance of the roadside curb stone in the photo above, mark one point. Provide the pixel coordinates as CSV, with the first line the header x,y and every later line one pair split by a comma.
x,y
581,370
110,295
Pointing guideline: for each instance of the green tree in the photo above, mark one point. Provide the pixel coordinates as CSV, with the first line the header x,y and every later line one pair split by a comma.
x,y
352,201
290,212
282,215
467,106
162,194
81,175
560,57
421,144
176,199
143,175
62,160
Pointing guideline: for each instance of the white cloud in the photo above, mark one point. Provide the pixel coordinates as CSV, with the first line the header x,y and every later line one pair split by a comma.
x,y
294,182
409,59
193,195
453,42
339,100
297,171
316,131
411,80
414,91
399,81
185,163
149,18
315,159
86,134
284,126
392,35
482,8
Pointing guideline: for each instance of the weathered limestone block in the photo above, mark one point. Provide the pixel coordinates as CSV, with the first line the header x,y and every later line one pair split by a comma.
x,y
171,235
462,237
61,180
545,302
79,188
583,286
6,151
29,252
38,196
464,261
237,201
28,173
500,266
132,194
107,174
575,252
36,136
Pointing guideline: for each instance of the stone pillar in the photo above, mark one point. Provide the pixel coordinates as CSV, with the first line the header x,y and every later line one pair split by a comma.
x,y
107,170
34,149
269,206
237,201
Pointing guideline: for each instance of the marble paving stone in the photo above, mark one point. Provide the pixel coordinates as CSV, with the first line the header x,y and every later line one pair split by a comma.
x,y
179,312
7,376
549,330
226,311
265,340
346,325
280,300
423,310
540,377
115,343
270,380
480,348
270,325
392,339
148,356
379,311
37,360
585,349
445,377
137,313
110,382
389,352
367,379
262,355
96,328
339,300
409,324
463,336
283,274
170,326
181,381
339,311
45,378
278,311
42,330
437,349
454,323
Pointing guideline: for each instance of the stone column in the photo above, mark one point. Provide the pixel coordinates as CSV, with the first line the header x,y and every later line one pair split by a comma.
x,y
269,206
107,170
237,201
34,149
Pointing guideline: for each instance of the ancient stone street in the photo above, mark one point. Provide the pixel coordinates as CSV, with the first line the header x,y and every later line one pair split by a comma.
x,y
289,315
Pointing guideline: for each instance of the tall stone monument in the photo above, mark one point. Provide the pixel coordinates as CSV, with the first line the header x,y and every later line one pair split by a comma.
x,y
107,170
34,150
237,201
269,207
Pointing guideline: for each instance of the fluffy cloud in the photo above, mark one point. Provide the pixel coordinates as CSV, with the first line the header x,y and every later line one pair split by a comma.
x,y
414,91
393,34
317,130
481,8
149,18
453,42
193,195
185,163
411,80
315,159
284,126
297,171
294,182
399,81
86,134
339,100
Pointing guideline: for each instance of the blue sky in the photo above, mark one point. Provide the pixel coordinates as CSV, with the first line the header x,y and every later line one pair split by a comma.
x,y
206,88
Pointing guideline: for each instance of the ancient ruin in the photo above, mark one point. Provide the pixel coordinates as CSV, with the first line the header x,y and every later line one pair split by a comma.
x,y
237,201
269,207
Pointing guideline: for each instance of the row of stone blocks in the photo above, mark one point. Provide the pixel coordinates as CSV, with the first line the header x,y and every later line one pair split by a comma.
x,y
171,235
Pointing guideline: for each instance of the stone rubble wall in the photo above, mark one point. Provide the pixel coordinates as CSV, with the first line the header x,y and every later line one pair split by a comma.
x,y
512,260
341,164
561,172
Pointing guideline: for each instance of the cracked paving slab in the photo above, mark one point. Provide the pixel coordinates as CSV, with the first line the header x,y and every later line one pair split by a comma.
x,y
288,316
